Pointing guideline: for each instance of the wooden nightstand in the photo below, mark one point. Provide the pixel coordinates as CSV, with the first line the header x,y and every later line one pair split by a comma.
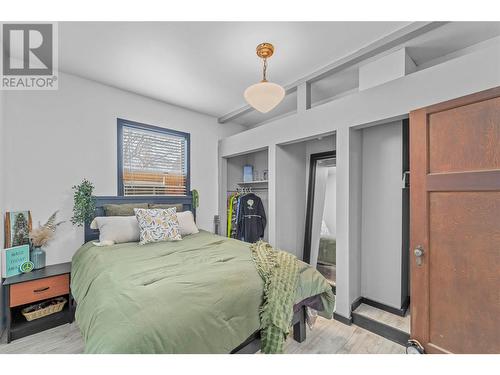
x,y
33,287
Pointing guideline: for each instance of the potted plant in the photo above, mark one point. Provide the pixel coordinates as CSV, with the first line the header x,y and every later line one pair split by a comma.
x,y
84,206
40,237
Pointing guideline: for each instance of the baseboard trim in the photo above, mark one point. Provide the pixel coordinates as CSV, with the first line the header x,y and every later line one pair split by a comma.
x,y
405,305
358,301
381,306
342,319
381,329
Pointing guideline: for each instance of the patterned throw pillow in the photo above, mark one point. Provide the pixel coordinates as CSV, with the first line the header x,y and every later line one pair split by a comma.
x,y
157,225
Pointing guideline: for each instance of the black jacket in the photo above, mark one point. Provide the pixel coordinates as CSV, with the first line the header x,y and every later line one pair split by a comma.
x,y
251,218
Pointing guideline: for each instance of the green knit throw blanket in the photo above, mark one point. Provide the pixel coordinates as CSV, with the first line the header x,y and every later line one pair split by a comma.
x,y
280,272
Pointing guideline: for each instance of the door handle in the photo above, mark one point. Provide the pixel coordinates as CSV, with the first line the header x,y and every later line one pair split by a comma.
x,y
39,290
419,253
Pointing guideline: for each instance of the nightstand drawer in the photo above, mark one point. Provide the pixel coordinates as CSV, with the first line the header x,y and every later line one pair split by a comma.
x,y
38,290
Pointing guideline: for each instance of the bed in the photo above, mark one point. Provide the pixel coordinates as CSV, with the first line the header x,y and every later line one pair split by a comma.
x,y
198,295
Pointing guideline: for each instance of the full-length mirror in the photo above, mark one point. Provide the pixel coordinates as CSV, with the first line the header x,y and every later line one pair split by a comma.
x,y
320,236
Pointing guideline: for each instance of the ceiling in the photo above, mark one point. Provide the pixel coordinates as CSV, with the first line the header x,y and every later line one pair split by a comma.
x,y
205,66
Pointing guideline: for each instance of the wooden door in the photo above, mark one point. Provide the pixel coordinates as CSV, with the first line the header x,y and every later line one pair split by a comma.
x,y
455,218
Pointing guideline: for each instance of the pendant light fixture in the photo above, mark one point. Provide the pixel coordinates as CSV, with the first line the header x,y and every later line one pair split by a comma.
x,y
264,96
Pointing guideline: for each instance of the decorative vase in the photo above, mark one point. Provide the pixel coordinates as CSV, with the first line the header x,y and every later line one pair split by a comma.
x,y
37,256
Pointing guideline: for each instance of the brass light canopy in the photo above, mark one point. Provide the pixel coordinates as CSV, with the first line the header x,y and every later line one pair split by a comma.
x,y
265,50
264,96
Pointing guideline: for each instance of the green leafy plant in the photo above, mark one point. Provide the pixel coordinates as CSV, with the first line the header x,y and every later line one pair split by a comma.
x,y
84,206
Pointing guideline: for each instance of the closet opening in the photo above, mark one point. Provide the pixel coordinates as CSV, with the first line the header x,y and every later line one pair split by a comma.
x,y
382,306
320,229
247,197
291,176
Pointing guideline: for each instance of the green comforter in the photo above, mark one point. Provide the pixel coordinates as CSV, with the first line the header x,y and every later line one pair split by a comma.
x,y
198,295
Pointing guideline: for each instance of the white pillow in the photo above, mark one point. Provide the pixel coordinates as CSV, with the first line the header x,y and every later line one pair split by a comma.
x,y
186,223
116,229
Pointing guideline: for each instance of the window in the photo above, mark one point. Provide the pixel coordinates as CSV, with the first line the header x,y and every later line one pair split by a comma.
x,y
152,160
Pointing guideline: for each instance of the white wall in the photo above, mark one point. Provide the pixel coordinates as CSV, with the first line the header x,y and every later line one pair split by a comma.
x,y
387,68
2,112
322,144
53,139
354,214
235,167
329,215
382,214
290,201
476,71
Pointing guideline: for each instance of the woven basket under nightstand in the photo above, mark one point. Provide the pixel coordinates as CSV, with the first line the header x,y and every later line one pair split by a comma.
x,y
51,309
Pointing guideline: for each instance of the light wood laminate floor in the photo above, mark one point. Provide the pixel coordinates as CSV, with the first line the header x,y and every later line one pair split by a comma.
x,y
327,336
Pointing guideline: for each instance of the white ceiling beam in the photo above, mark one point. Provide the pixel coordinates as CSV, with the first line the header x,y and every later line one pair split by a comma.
x,y
303,97
392,40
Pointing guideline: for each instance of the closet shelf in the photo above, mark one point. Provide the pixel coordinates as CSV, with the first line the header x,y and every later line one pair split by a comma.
x,y
253,183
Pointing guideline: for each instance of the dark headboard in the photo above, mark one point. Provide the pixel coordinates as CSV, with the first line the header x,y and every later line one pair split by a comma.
x,y
92,234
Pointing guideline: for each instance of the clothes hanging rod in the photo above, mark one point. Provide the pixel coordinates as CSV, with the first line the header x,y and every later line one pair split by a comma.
x,y
249,191
252,182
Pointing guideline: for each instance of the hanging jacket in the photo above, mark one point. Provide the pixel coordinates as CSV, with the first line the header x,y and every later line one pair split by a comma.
x,y
251,218
234,218
229,214
234,228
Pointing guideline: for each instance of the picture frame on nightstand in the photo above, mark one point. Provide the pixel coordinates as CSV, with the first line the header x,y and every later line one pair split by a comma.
x,y
17,225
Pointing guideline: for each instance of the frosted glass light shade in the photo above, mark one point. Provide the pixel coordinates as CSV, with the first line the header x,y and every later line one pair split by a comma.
x,y
264,96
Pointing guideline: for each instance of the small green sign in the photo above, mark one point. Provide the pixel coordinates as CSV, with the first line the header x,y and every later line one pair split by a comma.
x,y
14,258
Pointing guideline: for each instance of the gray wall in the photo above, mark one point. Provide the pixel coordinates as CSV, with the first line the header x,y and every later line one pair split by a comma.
x,y
381,214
